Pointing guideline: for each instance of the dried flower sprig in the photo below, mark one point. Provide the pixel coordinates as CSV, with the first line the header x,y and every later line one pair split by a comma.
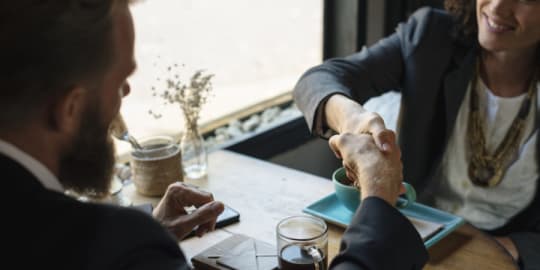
x,y
191,96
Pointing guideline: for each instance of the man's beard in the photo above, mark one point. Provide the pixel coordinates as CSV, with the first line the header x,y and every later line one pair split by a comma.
x,y
87,166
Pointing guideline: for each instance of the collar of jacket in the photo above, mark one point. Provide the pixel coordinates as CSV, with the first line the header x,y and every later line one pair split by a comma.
x,y
456,82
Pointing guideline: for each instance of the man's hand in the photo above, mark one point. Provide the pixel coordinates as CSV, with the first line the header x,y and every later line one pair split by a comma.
x,y
376,173
347,116
170,211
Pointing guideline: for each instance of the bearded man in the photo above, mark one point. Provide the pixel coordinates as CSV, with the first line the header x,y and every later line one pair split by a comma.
x,y
64,69
63,72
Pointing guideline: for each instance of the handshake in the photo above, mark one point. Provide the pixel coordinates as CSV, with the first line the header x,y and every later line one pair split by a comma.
x,y
376,171
370,154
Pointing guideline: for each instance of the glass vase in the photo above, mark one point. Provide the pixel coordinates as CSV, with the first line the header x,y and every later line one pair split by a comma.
x,y
194,156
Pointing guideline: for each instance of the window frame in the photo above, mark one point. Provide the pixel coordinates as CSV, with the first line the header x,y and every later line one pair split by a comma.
x,y
340,19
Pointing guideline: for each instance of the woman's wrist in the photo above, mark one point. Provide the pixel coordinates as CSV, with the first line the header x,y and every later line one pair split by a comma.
x,y
339,111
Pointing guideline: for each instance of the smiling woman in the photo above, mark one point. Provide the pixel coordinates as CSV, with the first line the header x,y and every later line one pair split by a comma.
x,y
255,49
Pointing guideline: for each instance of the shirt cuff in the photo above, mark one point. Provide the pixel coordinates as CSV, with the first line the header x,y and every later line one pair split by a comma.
x,y
320,127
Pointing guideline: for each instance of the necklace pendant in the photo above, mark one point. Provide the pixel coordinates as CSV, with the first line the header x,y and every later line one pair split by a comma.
x,y
485,176
487,170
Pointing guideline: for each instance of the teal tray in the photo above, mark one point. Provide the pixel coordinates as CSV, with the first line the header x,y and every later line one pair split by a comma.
x,y
331,210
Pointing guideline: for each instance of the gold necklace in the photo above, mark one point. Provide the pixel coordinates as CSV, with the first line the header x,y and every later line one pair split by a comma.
x,y
485,169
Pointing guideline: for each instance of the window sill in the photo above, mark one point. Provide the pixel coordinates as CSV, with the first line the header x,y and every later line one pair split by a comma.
x,y
239,126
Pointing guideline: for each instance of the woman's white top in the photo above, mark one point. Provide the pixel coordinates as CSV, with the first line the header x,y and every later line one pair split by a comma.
x,y
489,208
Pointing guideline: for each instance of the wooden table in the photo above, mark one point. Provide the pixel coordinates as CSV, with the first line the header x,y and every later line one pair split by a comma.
x,y
265,193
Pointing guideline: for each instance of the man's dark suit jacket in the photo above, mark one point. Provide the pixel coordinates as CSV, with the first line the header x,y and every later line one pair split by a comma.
x,y
431,67
48,230
53,231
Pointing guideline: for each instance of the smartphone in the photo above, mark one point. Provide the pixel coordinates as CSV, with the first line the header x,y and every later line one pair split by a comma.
x,y
227,217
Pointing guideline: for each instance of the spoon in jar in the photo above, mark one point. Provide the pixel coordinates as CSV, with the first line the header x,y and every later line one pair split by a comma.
x,y
119,130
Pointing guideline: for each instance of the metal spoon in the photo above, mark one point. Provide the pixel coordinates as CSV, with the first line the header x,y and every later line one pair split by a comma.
x,y
125,136
119,130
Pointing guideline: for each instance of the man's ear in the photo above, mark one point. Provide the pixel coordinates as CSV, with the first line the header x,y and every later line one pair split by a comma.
x,y
67,111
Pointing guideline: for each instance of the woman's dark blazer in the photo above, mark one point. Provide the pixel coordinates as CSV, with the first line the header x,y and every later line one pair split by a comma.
x,y
431,68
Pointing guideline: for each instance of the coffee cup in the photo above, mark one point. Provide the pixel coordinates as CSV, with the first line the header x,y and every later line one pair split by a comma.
x,y
349,195
302,243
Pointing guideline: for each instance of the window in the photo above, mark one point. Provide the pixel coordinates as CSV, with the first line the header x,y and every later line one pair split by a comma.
x,y
256,49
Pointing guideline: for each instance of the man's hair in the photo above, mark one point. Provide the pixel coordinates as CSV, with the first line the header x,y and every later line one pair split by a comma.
x,y
46,48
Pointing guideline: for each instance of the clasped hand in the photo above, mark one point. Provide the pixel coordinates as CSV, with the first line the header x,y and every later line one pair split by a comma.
x,y
377,173
369,151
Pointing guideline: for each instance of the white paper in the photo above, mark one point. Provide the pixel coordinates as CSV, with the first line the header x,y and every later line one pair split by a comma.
x,y
425,228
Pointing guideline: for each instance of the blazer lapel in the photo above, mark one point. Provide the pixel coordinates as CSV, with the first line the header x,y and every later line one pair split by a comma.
x,y
455,87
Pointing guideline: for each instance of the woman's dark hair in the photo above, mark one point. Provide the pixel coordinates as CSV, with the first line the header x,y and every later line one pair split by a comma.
x,y
465,12
47,47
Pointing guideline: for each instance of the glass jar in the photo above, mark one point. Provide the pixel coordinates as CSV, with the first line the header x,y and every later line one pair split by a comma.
x,y
156,165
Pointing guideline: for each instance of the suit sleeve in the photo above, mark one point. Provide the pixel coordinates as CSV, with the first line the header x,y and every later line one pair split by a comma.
x,y
131,239
380,238
361,76
528,246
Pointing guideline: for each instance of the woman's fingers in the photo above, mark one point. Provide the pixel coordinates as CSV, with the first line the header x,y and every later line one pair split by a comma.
x,y
333,143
